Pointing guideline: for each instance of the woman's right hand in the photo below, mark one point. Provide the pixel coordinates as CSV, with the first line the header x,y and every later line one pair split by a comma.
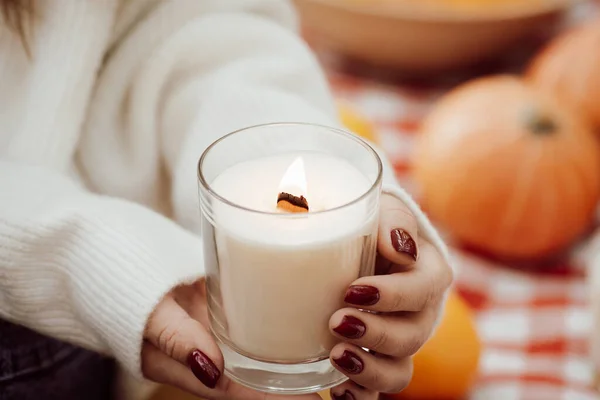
x,y
179,350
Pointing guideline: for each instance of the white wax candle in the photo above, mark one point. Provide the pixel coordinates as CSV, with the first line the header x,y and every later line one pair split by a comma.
x,y
283,276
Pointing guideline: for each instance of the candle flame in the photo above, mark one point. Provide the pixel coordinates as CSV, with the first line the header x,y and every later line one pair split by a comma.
x,y
294,179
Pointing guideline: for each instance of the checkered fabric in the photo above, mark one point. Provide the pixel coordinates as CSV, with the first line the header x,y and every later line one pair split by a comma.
x,y
534,325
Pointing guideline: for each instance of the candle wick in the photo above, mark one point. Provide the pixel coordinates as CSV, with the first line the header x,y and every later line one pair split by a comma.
x,y
290,203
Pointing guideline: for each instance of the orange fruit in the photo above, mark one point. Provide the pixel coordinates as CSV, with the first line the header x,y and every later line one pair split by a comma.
x,y
444,369
356,122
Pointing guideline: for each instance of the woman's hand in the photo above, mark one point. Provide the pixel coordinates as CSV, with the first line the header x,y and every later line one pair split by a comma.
x,y
405,299
179,350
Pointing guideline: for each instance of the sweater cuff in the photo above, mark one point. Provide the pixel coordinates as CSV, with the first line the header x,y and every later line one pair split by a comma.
x,y
128,281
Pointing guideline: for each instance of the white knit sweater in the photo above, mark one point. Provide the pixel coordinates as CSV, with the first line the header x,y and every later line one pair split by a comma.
x,y
100,133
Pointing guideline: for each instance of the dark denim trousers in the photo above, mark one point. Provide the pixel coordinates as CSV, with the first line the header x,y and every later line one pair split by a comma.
x,y
35,367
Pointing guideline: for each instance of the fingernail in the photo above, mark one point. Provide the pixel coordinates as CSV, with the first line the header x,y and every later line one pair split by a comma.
x,y
204,369
362,295
351,328
344,396
350,362
404,243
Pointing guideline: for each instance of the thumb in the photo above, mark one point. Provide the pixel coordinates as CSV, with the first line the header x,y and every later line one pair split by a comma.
x,y
176,343
172,331
397,238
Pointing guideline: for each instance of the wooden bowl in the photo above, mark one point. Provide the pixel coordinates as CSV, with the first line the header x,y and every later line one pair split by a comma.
x,y
412,36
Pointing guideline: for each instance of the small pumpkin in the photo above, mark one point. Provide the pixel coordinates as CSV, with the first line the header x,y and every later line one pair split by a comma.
x,y
508,169
570,67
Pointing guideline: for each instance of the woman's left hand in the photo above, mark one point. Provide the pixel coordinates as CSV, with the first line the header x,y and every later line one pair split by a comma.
x,y
404,299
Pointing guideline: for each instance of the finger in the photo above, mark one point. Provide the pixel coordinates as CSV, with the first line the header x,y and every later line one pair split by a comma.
x,y
351,391
185,340
379,373
160,368
383,266
398,232
412,290
389,334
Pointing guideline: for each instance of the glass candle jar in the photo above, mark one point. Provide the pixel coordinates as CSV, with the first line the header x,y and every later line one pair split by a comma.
x,y
276,274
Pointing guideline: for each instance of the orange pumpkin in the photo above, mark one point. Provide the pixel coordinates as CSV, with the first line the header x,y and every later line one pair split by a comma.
x,y
570,67
508,169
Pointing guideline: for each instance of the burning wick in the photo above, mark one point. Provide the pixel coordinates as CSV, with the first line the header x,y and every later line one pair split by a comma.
x,y
290,203
293,181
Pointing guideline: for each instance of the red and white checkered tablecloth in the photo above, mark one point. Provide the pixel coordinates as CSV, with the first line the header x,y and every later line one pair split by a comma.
x,y
534,326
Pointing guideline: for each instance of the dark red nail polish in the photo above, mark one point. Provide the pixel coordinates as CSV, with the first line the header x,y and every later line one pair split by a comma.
x,y
362,295
404,243
204,369
351,328
350,362
344,396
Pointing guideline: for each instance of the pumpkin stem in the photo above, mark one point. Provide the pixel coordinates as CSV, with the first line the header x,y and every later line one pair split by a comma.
x,y
542,124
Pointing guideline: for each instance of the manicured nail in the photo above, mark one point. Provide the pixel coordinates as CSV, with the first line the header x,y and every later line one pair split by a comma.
x,y
351,327
204,369
404,243
344,396
350,362
362,295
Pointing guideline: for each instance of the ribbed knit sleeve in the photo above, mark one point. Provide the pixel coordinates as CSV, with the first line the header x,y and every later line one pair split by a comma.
x,y
84,268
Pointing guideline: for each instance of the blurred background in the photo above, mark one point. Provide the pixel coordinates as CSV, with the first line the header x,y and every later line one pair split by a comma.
x,y
507,167
490,112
